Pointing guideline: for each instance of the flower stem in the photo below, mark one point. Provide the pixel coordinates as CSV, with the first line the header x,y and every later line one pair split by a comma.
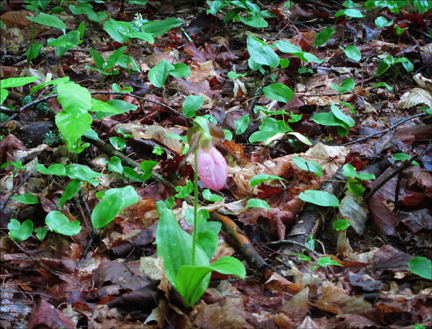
x,y
195,231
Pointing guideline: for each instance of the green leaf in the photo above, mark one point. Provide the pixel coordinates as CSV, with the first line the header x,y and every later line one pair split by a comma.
x,y
208,242
147,167
308,57
257,203
348,121
81,172
404,156
73,125
106,108
287,47
346,85
254,21
215,6
158,28
33,51
184,191
191,105
48,20
209,196
20,232
421,266
118,30
175,245
158,74
408,66
27,198
74,98
113,201
355,188
70,191
323,36
261,54
132,174
242,124
307,165
257,179
52,82
59,223
365,176
353,52
384,65
113,59
341,224
233,75
55,169
118,143
115,165
180,71
349,171
327,261
41,232
383,84
354,13
278,92
320,198
17,82
192,281
382,22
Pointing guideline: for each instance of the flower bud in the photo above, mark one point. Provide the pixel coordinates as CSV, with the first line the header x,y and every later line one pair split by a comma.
x,y
212,168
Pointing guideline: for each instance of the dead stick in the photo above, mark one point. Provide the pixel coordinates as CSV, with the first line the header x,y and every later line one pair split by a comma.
x,y
404,165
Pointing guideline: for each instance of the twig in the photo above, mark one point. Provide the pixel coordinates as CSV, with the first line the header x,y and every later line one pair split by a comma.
x,y
385,180
4,109
272,243
8,119
397,190
385,130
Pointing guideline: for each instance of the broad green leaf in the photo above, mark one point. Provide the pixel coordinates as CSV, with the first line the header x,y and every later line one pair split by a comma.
x,y
147,167
91,134
320,198
73,125
70,191
209,196
20,232
191,105
233,75
65,42
242,124
3,94
115,165
184,191
356,188
113,59
127,194
287,47
278,92
323,36
175,245
254,21
106,210
384,65
257,203
408,66
41,233
208,242
353,52
346,85
308,57
307,165
192,281
128,63
215,6
132,174
180,71
354,13
300,137
402,157
106,108
421,266
27,198
158,28
257,179
341,224
262,54
118,143
383,84
55,169
17,82
59,223
74,98
382,22
118,30
48,20
81,172
142,36
97,17
349,171
263,135
365,176
33,51
341,116
327,261
158,74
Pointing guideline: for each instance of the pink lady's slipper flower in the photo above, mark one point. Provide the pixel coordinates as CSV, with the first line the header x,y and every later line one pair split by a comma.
x,y
212,168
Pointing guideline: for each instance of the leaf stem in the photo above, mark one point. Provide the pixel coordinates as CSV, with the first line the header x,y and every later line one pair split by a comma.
x,y
195,231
